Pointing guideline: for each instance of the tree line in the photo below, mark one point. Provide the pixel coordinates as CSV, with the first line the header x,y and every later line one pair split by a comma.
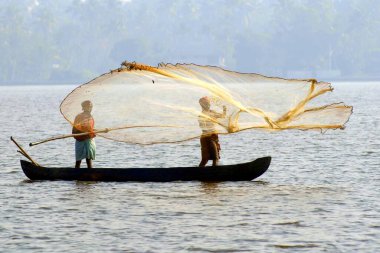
x,y
72,41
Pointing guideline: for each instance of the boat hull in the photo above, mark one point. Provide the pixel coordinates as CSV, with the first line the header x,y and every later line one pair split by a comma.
x,y
237,172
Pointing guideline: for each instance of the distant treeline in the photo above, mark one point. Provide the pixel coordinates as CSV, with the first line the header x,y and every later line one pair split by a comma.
x,y
72,41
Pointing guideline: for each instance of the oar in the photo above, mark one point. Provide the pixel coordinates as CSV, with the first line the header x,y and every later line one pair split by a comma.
x,y
23,152
105,130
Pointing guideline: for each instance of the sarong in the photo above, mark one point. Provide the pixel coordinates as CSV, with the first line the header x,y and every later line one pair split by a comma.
x,y
210,147
85,149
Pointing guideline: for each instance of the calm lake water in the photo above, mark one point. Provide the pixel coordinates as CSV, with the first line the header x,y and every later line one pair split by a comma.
x,y
320,194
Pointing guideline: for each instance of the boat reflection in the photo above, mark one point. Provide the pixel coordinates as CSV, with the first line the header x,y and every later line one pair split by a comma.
x,y
210,187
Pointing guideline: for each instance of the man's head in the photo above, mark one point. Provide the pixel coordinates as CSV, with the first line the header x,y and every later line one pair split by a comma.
x,y
205,103
87,106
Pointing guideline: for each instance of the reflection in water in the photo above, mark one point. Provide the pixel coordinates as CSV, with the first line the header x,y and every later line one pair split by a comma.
x,y
88,190
260,182
27,181
85,184
209,187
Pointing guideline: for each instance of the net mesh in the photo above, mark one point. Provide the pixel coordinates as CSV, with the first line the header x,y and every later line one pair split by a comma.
x,y
141,104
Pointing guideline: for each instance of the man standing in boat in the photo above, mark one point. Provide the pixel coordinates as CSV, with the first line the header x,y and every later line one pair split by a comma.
x,y
209,140
85,147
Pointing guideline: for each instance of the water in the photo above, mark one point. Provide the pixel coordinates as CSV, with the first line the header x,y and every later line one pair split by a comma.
x,y
320,194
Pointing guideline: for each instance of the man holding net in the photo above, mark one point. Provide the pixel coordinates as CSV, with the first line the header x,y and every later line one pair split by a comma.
x,y
209,140
85,147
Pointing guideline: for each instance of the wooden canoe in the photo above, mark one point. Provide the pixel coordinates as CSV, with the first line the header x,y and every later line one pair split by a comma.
x,y
237,172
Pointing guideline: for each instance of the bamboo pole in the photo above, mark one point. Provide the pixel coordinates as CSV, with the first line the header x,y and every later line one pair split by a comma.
x,y
23,152
58,137
105,130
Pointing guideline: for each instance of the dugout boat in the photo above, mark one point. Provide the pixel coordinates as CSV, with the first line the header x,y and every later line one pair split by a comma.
x,y
236,172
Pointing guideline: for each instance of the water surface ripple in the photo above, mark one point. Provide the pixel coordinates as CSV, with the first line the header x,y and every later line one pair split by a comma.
x,y
321,193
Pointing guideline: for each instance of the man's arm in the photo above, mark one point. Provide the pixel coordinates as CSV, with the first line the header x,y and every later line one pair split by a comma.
x,y
220,115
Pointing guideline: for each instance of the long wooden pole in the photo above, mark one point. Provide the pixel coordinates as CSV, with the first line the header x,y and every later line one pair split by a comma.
x,y
105,130
23,152
58,137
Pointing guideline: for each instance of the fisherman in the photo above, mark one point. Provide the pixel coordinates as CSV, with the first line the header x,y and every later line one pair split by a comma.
x,y
85,147
209,139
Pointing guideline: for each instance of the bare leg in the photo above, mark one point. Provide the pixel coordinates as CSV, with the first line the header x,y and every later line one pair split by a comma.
x,y
89,163
77,164
215,154
203,163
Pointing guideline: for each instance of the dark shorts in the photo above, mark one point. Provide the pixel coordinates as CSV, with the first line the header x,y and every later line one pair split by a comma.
x,y
210,147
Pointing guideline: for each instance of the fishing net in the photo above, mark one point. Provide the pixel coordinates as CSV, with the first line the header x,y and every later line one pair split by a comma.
x,y
146,105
